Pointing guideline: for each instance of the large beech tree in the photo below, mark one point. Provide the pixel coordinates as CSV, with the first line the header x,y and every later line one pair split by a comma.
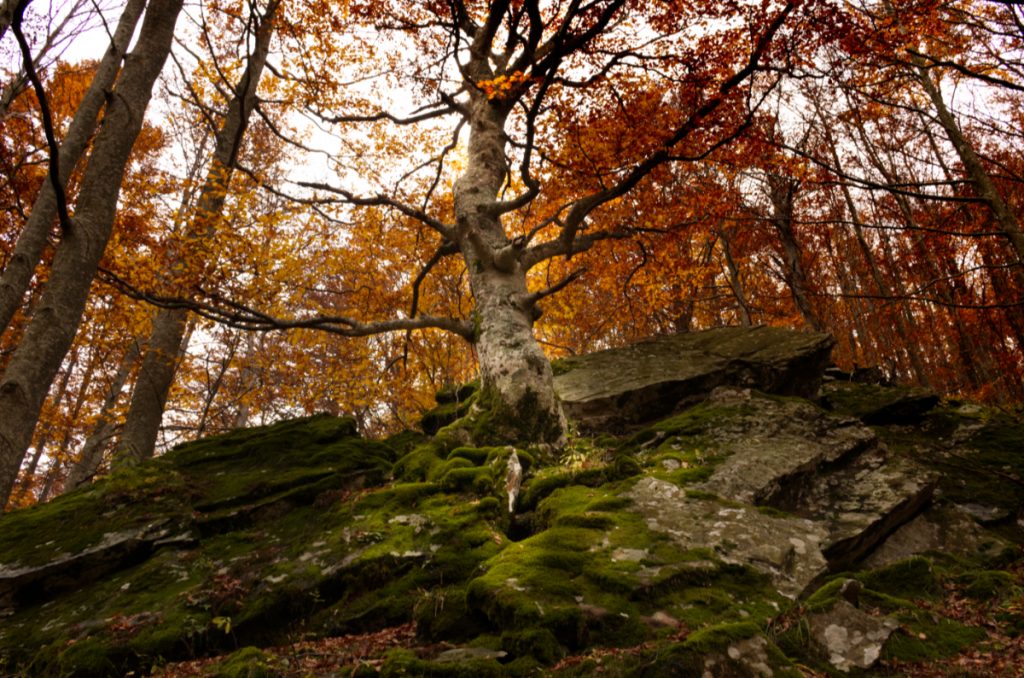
x,y
487,176
516,78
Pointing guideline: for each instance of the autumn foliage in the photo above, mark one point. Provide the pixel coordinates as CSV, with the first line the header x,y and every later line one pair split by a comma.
x,y
864,177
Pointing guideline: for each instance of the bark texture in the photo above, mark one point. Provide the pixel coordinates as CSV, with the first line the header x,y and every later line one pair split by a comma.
x,y
156,375
91,456
14,282
782,193
50,332
515,374
7,15
976,172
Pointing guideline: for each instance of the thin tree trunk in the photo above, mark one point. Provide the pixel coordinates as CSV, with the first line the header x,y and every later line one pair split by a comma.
x,y
43,440
53,326
735,282
153,383
21,266
976,172
214,388
781,192
92,451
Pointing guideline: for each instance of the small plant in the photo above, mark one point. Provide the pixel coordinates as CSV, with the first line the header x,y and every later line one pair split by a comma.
x,y
222,624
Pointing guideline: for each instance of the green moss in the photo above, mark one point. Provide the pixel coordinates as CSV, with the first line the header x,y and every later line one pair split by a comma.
x,y
911,578
717,638
248,662
825,597
924,639
987,584
406,663
540,644
441,614
475,455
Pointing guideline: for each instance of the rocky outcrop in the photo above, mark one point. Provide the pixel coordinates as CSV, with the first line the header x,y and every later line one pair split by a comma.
x,y
650,379
743,534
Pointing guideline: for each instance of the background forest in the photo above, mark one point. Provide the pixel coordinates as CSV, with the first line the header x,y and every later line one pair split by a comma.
x,y
279,241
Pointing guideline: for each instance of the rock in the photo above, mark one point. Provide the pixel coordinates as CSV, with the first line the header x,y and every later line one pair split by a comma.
x,y
879,405
115,551
650,379
946,529
513,480
850,638
791,456
774,448
864,503
787,549
743,658
986,515
465,654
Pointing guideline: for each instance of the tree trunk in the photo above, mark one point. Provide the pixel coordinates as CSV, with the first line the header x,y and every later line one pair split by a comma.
x,y
7,15
735,282
781,192
516,378
976,172
92,451
21,266
153,383
53,326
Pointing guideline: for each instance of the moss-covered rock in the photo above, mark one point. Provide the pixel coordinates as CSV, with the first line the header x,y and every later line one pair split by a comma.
x,y
700,544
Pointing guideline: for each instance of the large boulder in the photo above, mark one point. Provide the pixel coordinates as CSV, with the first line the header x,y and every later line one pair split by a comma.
x,y
647,380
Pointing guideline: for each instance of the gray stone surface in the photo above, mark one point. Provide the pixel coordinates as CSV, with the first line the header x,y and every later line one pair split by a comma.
x,y
20,584
792,456
944,529
775,447
744,657
786,549
850,638
650,379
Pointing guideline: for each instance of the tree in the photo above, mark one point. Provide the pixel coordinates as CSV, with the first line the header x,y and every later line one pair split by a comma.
x,y
161,357
518,77
51,199
49,333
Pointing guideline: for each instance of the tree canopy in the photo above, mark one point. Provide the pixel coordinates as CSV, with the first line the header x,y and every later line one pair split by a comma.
x,y
345,206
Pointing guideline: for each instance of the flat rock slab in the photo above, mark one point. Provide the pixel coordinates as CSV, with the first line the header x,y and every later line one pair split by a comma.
x,y
819,466
945,529
879,405
787,549
650,379
775,448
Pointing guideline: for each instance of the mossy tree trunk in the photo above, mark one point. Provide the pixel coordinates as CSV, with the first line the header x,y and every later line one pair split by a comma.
x,y
516,378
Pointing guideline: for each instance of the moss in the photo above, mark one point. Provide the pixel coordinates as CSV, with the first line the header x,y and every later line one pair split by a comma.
x,y
489,506
454,393
475,455
825,597
441,614
540,644
717,638
406,663
248,662
987,584
923,639
444,414
913,577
